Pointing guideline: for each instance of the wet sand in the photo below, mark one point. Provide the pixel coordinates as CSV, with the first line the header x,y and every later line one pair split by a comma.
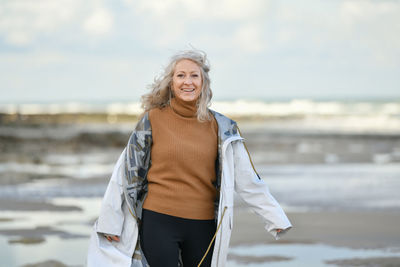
x,y
25,205
366,229
49,263
32,234
375,229
371,231
354,230
370,262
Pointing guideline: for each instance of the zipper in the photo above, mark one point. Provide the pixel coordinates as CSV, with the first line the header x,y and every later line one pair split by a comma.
x,y
224,146
248,154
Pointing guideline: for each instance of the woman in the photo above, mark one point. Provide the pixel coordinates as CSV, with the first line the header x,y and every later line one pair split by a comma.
x,y
169,201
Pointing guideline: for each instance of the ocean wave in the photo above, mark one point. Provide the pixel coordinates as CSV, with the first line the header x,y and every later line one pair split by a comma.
x,y
295,107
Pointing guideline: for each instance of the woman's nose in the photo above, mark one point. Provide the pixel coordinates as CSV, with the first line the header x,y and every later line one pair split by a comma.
x,y
188,81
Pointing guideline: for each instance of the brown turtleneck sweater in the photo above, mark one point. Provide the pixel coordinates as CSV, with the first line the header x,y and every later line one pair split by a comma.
x,y
183,157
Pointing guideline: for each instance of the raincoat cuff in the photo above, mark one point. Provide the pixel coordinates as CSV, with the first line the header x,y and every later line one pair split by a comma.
x,y
277,235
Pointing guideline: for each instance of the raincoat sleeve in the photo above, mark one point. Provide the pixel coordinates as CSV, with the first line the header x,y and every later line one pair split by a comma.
x,y
255,193
111,218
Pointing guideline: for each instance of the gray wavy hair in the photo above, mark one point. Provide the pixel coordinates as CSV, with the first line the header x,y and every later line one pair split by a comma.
x,y
161,89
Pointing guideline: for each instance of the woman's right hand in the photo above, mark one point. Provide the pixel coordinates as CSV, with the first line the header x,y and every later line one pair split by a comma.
x,y
111,237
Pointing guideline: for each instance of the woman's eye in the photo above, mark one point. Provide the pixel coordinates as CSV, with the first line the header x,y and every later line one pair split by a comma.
x,y
180,75
195,75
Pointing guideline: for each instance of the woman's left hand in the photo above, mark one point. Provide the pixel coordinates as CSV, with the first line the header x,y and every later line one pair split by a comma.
x,y
111,237
279,230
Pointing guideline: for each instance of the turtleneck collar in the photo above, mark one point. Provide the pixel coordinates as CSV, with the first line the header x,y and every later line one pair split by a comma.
x,y
184,108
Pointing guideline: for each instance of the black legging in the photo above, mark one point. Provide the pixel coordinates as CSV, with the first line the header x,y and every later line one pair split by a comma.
x,y
162,235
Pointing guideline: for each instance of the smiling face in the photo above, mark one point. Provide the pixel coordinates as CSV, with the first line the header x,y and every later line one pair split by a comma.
x,y
187,81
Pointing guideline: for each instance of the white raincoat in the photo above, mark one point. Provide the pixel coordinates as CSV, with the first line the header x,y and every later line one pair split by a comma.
x,y
237,174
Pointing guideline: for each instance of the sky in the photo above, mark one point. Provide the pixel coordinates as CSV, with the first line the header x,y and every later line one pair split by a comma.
x,y
94,50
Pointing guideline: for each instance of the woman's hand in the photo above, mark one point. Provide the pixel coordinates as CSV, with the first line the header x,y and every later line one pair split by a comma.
x,y
111,237
279,230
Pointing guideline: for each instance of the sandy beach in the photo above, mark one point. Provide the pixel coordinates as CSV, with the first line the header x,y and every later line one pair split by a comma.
x,y
369,230
339,189
351,231
337,233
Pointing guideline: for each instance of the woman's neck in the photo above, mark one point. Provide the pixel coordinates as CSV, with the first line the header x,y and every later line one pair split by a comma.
x,y
184,108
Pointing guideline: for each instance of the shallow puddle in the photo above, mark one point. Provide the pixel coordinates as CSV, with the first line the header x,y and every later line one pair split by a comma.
x,y
73,252
72,249
310,255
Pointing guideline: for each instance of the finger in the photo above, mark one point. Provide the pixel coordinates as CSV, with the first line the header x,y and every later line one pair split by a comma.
x,y
115,238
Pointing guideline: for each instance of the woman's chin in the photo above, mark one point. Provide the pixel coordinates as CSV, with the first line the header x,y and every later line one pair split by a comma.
x,y
187,98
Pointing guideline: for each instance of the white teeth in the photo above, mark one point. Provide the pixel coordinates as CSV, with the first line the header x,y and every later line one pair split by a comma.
x,y
188,90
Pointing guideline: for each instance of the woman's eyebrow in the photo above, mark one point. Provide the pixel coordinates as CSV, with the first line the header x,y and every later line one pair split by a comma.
x,y
192,71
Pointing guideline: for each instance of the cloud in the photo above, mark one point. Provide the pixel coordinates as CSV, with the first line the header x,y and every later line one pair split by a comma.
x,y
164,23
173,23
208,9
23,22
354,11
373,24
322,45
238,9
99,22
339,30
249,38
